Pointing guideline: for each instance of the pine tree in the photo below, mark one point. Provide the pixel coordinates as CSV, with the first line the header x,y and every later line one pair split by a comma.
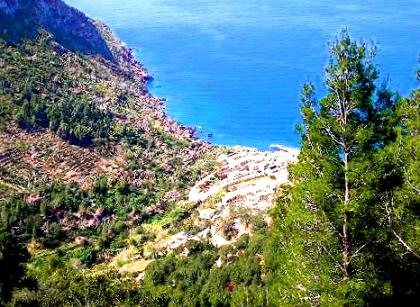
x,y
395,183
345,119
326,219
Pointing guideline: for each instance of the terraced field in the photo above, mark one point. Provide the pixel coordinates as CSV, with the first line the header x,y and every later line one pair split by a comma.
x,y
237,196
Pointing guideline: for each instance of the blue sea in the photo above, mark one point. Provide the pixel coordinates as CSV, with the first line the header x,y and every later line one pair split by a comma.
x,y
234,68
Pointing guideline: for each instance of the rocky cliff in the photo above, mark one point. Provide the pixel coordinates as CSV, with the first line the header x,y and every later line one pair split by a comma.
x,y
20,19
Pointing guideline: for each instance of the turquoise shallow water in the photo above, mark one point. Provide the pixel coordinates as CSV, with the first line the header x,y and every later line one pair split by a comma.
x,y
235,67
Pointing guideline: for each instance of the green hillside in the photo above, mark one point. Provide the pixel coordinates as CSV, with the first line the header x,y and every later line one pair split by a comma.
x,y
95,186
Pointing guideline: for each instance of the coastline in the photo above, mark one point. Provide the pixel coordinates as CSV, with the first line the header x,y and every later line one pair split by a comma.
x,y
246,179
225,191
126,58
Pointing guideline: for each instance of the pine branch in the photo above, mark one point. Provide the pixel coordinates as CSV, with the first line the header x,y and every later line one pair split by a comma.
x,y
358,251
332,257
407,247
412,186
333,137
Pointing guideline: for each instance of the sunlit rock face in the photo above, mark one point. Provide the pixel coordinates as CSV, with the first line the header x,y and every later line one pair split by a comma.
x,y
20,19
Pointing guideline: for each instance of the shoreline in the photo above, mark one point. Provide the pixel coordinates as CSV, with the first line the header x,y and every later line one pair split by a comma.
x,y
126,57
246,180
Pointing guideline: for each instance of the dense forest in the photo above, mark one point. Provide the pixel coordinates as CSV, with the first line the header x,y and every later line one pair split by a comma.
x,y
345,231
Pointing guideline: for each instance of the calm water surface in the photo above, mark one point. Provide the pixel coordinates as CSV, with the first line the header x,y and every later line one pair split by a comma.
x,y
235,67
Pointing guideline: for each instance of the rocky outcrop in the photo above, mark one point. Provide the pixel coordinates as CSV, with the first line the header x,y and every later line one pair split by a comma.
x,y
72,29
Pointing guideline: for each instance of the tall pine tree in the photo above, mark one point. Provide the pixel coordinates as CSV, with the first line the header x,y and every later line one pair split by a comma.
x,y
333,226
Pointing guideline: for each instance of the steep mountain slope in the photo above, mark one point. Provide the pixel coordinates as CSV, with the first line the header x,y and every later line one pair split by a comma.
x,y
104,200
94,177
20,19
93,173
87,155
